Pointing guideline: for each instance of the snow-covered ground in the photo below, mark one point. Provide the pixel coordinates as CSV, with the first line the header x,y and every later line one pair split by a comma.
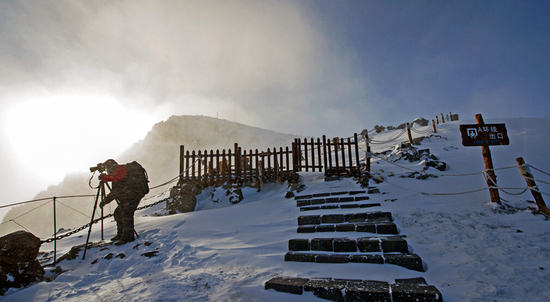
x,y
473,250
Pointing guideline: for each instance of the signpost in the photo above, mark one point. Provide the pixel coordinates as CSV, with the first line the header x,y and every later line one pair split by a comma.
x,y
485,135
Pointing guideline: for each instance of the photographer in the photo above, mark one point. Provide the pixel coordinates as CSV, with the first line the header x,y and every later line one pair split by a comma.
x,y
129,185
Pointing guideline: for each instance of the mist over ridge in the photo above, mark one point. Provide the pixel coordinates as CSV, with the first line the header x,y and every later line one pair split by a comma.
x,y
158,152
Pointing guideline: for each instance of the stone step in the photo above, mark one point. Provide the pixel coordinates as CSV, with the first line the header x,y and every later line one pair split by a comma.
x,y
330,200
408,261
340,206
310,196
344,218
347,290
379,227
391,244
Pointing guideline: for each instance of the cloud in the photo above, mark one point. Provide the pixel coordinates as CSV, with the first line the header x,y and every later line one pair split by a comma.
x,y
254,53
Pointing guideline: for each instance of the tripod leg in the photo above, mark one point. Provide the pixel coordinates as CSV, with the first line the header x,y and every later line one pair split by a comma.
x,y
92,220
102,199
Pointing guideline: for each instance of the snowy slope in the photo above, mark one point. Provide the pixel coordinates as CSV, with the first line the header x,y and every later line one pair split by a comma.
x,y
472,250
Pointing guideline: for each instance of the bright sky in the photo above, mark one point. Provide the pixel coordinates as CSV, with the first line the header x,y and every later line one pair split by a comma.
x,y
82,80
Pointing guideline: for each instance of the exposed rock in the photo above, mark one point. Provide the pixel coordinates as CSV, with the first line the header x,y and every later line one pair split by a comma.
x,y
183,199
421,121
236,195
18,264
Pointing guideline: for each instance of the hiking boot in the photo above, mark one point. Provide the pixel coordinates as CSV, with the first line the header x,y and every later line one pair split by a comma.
x,y
117,237
124,241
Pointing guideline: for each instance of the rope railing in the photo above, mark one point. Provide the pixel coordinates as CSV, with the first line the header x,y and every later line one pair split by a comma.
x,y
484,173
51,199
372,141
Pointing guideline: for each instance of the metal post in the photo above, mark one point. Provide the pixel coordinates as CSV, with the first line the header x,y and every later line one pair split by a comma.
x,y
54,233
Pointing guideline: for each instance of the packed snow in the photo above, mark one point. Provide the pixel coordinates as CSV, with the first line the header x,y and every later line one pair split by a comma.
x,y
473,249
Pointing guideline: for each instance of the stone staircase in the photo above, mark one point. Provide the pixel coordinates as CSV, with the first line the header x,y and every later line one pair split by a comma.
x,y
383,245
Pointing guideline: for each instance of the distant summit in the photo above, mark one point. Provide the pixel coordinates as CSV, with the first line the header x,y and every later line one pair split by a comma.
x,y
158,152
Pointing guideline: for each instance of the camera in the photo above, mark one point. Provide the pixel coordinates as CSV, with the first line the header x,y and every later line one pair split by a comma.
x,y
100,167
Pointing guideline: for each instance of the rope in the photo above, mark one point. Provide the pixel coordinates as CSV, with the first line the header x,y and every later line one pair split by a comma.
x,y
537,190
390,140
428,129
28,211
438,174
19,224
24,202
429,193
539,170
537,180
73,209
175,178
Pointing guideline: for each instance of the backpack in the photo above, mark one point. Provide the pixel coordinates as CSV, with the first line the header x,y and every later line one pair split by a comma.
x,y
137,178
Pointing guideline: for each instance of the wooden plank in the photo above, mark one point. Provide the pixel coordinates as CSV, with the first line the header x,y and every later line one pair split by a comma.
x,y
350,158
357,162
199,166
319,154
305,154
187,165
182,164
287,164
325,154
343,150
281,164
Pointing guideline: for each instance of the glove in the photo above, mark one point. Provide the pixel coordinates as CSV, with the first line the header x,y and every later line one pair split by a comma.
x,y
100,176
102,204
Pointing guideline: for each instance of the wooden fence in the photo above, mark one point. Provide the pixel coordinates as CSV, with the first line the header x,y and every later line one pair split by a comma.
x,y
335,156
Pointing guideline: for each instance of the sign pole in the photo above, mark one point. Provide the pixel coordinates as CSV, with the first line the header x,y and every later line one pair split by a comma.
x,y
491,177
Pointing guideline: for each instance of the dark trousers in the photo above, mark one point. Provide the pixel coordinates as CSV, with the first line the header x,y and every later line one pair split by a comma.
x,y
124,216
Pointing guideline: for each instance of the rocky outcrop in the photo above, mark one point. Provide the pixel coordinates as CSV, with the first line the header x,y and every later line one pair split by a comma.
x,y
18,264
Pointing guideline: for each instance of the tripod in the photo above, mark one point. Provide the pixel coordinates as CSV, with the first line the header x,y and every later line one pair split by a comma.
x,y
100,193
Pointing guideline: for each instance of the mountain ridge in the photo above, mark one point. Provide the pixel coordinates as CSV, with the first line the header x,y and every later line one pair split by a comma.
x,y
158,152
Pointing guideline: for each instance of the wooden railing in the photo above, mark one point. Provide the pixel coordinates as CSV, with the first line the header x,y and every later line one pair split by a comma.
x,y
337,156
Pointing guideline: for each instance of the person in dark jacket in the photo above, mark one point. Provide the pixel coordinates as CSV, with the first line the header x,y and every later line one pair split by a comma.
x,y
128,193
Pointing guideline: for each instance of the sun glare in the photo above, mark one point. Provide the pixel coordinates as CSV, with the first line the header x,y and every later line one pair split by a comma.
x,y
57,135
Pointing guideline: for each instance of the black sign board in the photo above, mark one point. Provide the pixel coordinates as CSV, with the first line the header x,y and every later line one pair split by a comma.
x,y
484,135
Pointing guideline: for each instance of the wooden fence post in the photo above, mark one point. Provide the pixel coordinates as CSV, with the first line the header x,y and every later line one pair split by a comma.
x,y
526,173
319,154
356,151
180,181
336,159
237,161
325,153
436,120
409,133
205,155
199,167
491,178
193,165
187,165
433,126
442,119
367,153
